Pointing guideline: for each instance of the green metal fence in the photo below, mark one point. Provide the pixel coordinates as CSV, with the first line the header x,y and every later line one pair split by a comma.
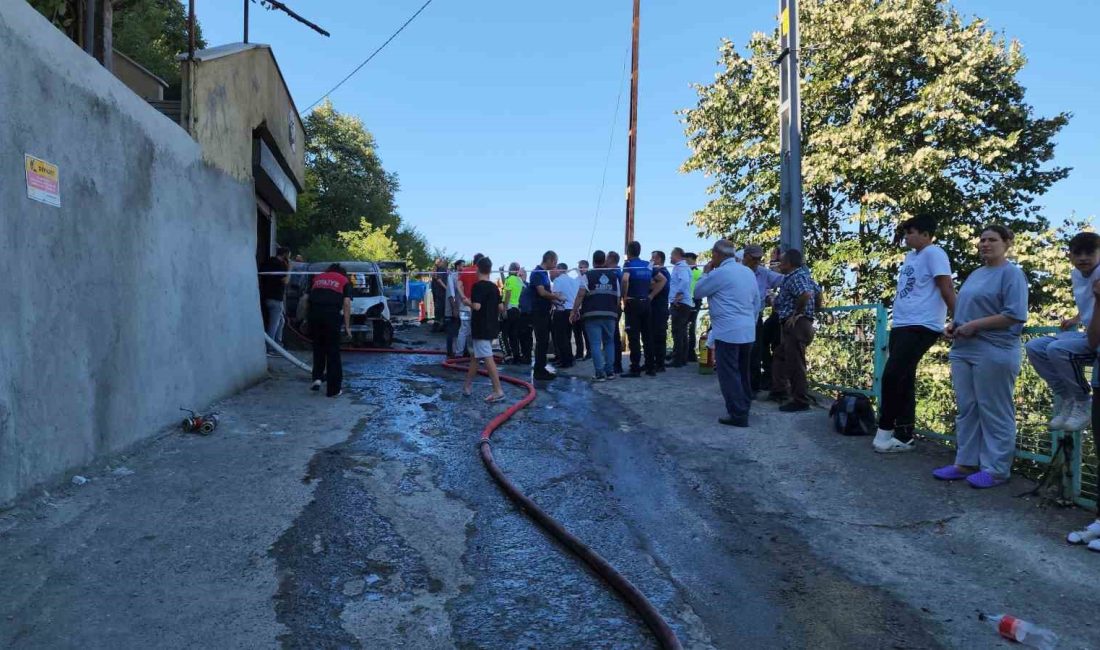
x,y
849,354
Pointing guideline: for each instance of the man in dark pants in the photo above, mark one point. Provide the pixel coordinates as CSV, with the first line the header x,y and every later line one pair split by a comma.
x,y
696,304
681,306
766,281
513,291
658,310
733,298
329,295
451,310
637,281
439,295
562,329
613,265
542,301
796,307
924,297
580,336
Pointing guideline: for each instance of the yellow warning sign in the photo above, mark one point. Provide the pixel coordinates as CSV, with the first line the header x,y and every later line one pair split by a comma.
x,y
43,181
785,21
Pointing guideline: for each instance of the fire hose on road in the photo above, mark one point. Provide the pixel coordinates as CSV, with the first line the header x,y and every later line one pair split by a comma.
x,y
622,587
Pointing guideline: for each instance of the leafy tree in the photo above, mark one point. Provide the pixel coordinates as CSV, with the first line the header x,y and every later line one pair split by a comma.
x,y
371,244
347,190
151,32
154,33
906,108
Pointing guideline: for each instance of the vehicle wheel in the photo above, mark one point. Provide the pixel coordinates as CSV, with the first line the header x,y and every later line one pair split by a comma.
x,y
383,334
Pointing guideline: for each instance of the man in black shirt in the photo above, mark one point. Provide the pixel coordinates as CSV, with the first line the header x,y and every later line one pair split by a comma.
x,y
273,292
439,293
329,300
484,328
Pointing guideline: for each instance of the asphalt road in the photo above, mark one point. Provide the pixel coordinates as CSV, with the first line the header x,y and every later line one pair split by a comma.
x,y
369,522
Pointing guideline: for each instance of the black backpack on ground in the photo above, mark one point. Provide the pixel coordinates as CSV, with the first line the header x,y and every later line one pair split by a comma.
x,y
853,415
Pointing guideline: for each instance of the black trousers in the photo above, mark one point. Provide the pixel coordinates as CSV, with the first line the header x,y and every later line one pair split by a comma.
x,y
580,337
768,336
618,365
524,329
440,303
693,338
658,333
681,317
510,335
324,328
540,319
898,411
637,334
563,338
452,326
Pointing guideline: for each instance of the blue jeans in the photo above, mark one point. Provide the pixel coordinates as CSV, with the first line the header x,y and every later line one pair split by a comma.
x,y
601,339
734,378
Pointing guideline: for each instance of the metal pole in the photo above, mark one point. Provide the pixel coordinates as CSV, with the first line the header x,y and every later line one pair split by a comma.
x,y
89,27
790,129
246,2
632,149
190,30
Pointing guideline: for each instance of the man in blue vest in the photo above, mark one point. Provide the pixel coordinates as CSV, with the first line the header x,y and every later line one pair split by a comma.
x,y
612,264
637,282
658,310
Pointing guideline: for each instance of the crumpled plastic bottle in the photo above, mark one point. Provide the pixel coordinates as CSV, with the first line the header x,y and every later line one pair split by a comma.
x,y
1021,631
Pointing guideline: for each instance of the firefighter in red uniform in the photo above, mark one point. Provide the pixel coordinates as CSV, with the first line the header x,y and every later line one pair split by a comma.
x,y
329,295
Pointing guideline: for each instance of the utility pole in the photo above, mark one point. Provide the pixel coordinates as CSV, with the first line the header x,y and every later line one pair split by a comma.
x,y
790,129
246,2
632,148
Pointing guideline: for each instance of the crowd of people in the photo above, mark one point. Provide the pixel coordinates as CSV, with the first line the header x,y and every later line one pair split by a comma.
x,y
584,314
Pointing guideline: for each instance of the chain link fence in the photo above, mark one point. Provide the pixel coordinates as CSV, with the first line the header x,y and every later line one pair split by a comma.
x,y
849,353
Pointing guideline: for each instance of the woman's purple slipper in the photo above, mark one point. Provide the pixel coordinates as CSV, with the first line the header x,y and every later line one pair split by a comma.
x,y
950,473
983,480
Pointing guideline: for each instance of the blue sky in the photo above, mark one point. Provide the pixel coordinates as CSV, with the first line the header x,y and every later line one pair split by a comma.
x,y
497,115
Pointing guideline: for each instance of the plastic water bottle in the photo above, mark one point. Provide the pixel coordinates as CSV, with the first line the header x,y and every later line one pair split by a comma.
x,y
1023,632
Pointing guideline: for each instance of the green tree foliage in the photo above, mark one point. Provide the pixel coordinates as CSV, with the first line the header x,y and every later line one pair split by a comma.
x,y
151,32
154,33
907,108
348,192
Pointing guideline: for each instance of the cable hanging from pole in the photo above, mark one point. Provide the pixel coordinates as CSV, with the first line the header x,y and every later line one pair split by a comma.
x,y
372,55
607,159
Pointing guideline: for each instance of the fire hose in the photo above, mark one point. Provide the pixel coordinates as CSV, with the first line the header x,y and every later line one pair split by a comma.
x,y
622,587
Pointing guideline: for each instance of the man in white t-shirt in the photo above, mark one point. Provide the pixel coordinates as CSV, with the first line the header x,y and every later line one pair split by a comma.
x,y
925,294
567,286
1060,359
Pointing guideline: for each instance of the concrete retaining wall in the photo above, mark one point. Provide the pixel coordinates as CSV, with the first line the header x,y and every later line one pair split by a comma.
x,y
135,297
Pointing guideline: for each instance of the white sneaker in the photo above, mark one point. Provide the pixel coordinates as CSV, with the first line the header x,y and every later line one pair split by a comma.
x,y
893,446
1079,415
1094,545
1058,420
1090,534
316,385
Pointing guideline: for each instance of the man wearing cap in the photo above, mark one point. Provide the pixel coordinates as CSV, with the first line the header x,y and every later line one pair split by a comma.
x,y
766,281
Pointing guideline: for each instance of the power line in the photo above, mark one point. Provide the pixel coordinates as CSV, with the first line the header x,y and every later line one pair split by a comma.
x,y
372,55
607,160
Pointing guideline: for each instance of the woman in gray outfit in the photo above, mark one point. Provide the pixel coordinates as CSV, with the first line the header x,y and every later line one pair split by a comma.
x,y
985,361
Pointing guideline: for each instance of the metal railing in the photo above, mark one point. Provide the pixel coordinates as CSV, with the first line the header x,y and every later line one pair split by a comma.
x,y
849,354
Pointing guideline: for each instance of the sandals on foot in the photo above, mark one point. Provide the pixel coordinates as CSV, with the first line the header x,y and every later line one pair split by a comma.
x,y
950,473
494,398
983,480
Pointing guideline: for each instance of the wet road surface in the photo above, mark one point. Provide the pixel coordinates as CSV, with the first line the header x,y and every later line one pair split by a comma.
x,y
408,542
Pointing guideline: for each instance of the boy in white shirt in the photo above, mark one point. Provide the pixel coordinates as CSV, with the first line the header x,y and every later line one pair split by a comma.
x,y
925,294
1060,359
